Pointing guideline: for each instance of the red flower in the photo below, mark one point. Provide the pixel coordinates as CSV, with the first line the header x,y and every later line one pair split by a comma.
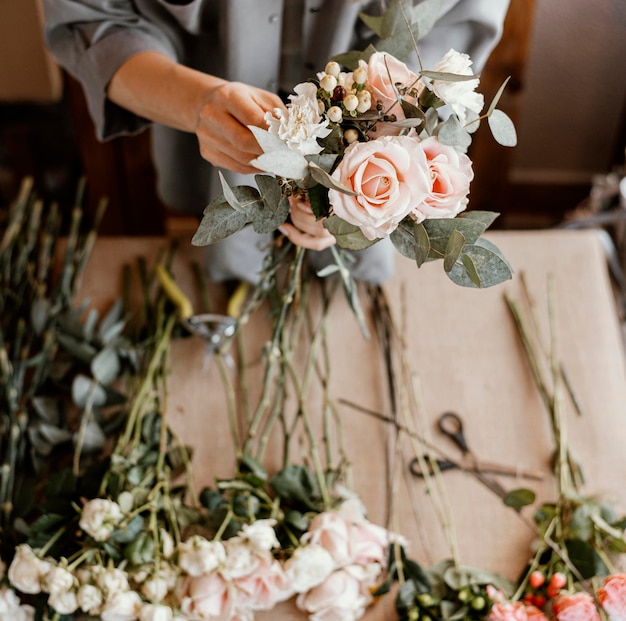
x,y
576,607
612,596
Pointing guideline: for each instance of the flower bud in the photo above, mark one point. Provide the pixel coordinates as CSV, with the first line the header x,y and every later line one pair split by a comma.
x,y
351,102
328,83
334,114
332,68
351,135
360,75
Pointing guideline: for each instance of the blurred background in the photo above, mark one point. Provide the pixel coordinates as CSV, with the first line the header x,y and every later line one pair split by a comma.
x,y
567,97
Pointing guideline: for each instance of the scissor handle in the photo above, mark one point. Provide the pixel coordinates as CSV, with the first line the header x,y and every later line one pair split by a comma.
x,y
451,425
442,464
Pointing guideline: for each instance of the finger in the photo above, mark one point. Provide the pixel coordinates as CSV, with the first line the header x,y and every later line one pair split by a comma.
x,y
300,238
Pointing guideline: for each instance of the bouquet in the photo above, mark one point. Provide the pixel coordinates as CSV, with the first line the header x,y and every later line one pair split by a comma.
x,y
379,151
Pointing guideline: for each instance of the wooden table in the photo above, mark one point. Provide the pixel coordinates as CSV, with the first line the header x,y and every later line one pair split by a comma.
x,y
467,357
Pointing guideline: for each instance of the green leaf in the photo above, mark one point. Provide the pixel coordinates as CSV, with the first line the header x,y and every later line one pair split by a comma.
x,y
318,199
78,349
296,483
129,532
471,270
452,133
277,158
455,244
490,266
347,235
422,244
250,465
502,128
374,22
440,229
486,218
85,390
108,330
220,221
404,240
519,498
448,77
586,559
323,178
496,99
105,366
265,221
350,59
229,195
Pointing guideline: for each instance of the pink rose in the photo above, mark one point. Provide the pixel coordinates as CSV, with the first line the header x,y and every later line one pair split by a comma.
x,y
390,177
338,598
265,587
330,531
384,74
450,176
576,607
612,596
515,611
207,598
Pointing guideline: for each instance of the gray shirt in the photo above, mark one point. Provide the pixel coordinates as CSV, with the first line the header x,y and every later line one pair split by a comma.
x,y
234,39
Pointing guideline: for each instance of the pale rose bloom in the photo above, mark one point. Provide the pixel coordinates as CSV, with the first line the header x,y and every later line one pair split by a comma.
x,y
460,96
198,555
112,581
64,602
90,599
240,559
156,612
123,606
11,608
515,611
58,579
308,566
330,530
450,176
390,176
265,587
100,517
301,124
207,598
380,68
575,607
27,570
612,596
261,535
338,598
156,586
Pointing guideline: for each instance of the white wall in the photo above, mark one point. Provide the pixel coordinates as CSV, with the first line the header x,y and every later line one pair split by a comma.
x,y
574,91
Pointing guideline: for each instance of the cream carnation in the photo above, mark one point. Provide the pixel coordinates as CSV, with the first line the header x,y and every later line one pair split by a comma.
x,y
27,570
198,556
301,124
261,535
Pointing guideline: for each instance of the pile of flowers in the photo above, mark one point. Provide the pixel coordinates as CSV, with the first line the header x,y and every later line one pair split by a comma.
x,y
378,151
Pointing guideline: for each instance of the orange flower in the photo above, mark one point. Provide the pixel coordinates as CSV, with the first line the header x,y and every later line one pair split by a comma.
x,y
575,607
612,596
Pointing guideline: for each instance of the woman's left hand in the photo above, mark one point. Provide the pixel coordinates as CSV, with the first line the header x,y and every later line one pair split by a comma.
x,y
304,229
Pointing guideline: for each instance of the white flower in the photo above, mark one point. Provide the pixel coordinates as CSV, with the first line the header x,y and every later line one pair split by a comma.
x,y
155,612
90,599
113,581
460,96
308,567
157,586
167,543
10,608
240,560
198,556
27,570
58,579
261,534
301,124
100,518
124,606
63,602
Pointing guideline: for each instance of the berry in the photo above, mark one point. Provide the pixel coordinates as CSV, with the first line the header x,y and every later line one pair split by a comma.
x,y
536,579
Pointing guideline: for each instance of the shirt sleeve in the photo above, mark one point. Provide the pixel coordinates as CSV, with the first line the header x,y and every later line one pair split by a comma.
x,y
91,39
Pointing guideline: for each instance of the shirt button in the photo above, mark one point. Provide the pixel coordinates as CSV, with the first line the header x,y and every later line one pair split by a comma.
x,y
273,18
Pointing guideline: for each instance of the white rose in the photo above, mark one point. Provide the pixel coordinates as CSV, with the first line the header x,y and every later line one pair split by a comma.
x,y
10,608
308,566
27,570
58,579
460,96
198,556
100,517
156,587
90,599
63,602
155,612
113,581
261,535
300,125
240,560
124,606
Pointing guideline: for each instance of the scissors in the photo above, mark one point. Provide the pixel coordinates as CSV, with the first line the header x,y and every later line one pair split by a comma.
x,y
451,425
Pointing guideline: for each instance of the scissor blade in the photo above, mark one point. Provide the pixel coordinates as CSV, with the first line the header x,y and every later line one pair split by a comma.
x,y
509,471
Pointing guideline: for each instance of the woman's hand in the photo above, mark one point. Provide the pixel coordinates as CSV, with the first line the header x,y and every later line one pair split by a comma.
x,y
304,229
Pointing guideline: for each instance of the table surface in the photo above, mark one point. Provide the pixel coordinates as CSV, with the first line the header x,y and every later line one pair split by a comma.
x,y
466,356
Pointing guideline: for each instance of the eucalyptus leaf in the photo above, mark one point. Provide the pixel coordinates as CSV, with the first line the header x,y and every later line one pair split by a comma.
x,y
47,409
440,229
347,235
329,270
452,133
40,314
486,218
270,191
448,77
105,366
93,438
519,498
110,320
78,349
128,532
403,238
296,483
54,435
219,221
288,164
323,178
325,161
422,243
470,268
265,221
455,244
502,128
85,390
491,267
